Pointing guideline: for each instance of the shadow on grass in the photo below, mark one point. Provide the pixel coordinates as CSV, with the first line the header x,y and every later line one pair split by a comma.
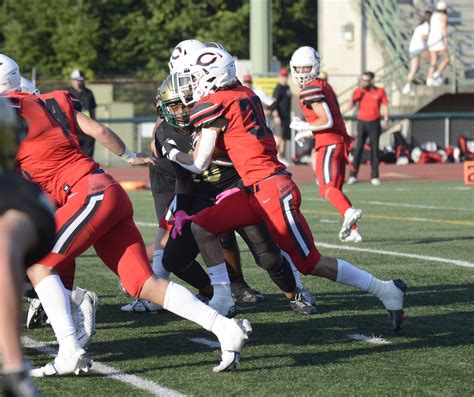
x,y
160,334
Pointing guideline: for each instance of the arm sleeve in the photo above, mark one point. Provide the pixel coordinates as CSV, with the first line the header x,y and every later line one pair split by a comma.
x,y
205,150
384,97
357,95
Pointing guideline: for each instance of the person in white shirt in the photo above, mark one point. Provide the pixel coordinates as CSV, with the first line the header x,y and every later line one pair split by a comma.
x,y
438,44
418,49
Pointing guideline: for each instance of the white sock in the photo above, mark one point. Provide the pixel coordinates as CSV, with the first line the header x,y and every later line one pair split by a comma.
x,y
377,287
56,304
157,265
218,274
180,301
348,274
296,273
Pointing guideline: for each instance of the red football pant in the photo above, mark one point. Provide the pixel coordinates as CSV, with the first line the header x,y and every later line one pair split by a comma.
x,y
99,213
276,202
330,168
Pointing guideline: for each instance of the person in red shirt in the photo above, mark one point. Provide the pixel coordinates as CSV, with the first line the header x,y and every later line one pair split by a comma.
x,y
370,98
229,118
324,123
94,210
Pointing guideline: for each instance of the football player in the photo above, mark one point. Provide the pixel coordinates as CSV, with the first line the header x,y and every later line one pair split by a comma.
x,y
26,235
230,117
332,143
95,211
197,191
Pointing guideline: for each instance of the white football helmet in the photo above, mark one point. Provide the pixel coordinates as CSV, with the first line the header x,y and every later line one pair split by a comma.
x,y
305,56
210,69
9,74
179,59
28,86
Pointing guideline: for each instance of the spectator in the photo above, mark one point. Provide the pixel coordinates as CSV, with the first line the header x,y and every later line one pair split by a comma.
x,y
281,110
86,97
418,49
370,99
267,101
438,44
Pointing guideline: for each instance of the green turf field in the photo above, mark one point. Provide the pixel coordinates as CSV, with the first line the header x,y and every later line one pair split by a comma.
x,y
421,232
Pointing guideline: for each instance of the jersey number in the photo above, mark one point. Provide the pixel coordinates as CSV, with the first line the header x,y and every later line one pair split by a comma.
x,y
57,113
254,119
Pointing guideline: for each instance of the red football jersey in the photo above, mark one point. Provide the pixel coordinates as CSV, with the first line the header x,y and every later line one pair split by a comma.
x,y
248,141
318,90
49,155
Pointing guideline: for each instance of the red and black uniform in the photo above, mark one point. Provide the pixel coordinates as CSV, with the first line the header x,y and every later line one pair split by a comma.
x,y
368,125
93,210
270,196
331,145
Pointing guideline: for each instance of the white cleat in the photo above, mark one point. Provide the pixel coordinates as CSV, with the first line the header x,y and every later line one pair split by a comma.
x,y
222,301
351,217
375,181
141,306
83,308
353,237
352,180
392,299
232,342
61,365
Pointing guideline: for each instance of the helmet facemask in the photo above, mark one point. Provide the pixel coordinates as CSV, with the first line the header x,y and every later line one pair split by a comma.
x,y
171,107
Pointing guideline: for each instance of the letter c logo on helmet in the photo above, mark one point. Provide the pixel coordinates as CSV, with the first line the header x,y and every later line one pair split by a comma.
x,y
207,58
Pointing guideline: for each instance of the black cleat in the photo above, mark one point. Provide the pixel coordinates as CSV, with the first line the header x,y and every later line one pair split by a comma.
x,y
243,293
304,303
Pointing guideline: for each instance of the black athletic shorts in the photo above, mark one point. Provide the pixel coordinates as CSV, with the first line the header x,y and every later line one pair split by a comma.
x,y
21,195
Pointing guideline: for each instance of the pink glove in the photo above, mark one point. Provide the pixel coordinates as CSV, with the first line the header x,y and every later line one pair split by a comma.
x,y
226,193
180,219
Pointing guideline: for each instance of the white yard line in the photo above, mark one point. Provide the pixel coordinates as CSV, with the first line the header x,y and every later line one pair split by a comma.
x,y
455,262
402,205
206,342
374,251
399,254
110,372
375,340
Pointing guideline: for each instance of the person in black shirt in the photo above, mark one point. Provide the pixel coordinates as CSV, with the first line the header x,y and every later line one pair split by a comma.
x,y
282,107
86,97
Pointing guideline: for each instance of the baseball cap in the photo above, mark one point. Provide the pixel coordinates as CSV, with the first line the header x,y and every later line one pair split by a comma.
x,y
283,72
247,78
77,75
441,6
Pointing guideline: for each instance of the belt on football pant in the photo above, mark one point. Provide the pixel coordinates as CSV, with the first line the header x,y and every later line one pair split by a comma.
x,y
256,186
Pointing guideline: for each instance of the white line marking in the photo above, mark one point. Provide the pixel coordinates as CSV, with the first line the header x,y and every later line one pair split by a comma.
x,y
328,221
402,205
146,224
455,262
206,342
375,340
400,254
110,372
